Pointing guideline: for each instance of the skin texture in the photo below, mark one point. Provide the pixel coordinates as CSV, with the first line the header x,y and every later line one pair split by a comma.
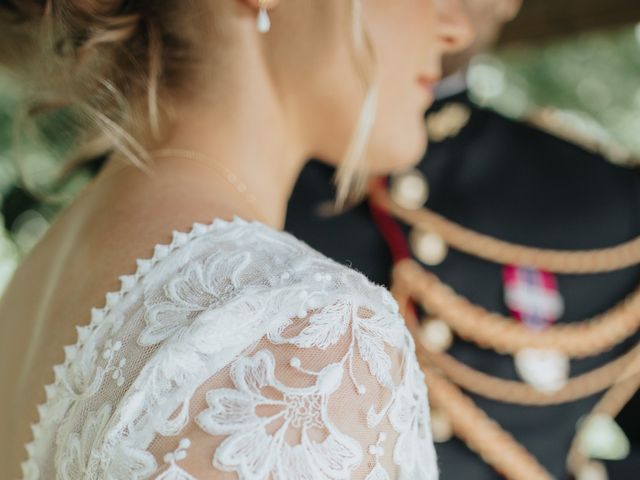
x,y
263,108
259,104
487,18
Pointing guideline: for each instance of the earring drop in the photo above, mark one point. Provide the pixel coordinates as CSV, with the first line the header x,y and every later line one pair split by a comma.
x,y
263,22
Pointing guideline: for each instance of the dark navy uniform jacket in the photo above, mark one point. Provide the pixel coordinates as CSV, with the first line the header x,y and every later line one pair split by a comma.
x,y
519,184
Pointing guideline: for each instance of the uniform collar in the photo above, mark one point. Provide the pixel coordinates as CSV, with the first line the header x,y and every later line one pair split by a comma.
x,y
451,86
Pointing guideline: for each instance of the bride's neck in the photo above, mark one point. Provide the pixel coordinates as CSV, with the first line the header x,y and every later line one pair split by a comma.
x,y
253,131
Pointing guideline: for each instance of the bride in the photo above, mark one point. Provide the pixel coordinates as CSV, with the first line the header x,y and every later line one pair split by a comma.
x,y
225,347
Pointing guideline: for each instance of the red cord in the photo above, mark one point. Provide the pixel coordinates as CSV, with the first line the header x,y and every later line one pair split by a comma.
x,y
390,229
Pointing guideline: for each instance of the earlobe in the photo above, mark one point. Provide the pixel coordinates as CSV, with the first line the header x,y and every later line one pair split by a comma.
x,y
263,22
257,4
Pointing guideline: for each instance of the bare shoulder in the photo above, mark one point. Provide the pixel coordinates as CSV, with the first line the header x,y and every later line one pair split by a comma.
x,y
117,220
131,211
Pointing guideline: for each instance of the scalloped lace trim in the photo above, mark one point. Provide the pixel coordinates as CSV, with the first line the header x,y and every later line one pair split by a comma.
x,y
112,298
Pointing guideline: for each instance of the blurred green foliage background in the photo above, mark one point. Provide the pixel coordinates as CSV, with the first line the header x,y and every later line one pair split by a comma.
x,y
592,80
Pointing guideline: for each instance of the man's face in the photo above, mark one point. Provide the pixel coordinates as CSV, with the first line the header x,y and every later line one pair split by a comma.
x,y
487,17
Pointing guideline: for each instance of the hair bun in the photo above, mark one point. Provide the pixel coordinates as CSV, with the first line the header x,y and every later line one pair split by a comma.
x,y
107,60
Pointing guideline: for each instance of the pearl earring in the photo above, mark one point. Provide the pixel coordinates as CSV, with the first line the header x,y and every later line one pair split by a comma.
x,y
263,22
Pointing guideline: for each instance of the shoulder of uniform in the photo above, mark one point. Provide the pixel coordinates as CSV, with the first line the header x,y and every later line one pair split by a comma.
x,y
589,136
450,118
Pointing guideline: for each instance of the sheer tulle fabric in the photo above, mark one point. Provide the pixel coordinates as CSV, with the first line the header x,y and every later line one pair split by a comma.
x,y
237,351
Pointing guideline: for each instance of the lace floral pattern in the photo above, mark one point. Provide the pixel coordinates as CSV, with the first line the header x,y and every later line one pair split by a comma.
x,y
252,452
283,338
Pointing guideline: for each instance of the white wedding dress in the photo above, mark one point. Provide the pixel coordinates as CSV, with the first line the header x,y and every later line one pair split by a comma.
x,y
237,351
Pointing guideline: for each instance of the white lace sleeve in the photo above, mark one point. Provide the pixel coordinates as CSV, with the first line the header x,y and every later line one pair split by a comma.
x,y
246,355
335,395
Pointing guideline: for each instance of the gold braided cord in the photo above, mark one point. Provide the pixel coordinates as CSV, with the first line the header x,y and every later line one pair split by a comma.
x,y
470,423
521,393
483,435
483,246
445,375
515,392
506,335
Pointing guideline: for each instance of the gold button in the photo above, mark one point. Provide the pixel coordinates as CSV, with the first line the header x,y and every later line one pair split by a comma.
x,y
436,335
600,436
544,369
447,122
441,427
409,189
429,247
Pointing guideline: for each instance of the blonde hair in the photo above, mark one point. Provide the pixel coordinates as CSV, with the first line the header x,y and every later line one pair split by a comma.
x,y
106,65
352,173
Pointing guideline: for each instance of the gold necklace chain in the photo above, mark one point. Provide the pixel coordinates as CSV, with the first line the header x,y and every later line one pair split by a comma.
x,y
228,175
507,335
483,246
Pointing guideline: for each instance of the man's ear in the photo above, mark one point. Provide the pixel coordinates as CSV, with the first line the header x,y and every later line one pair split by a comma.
x,y
509,9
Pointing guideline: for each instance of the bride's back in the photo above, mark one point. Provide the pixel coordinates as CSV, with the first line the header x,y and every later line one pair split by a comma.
x,y
97,238
222,332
